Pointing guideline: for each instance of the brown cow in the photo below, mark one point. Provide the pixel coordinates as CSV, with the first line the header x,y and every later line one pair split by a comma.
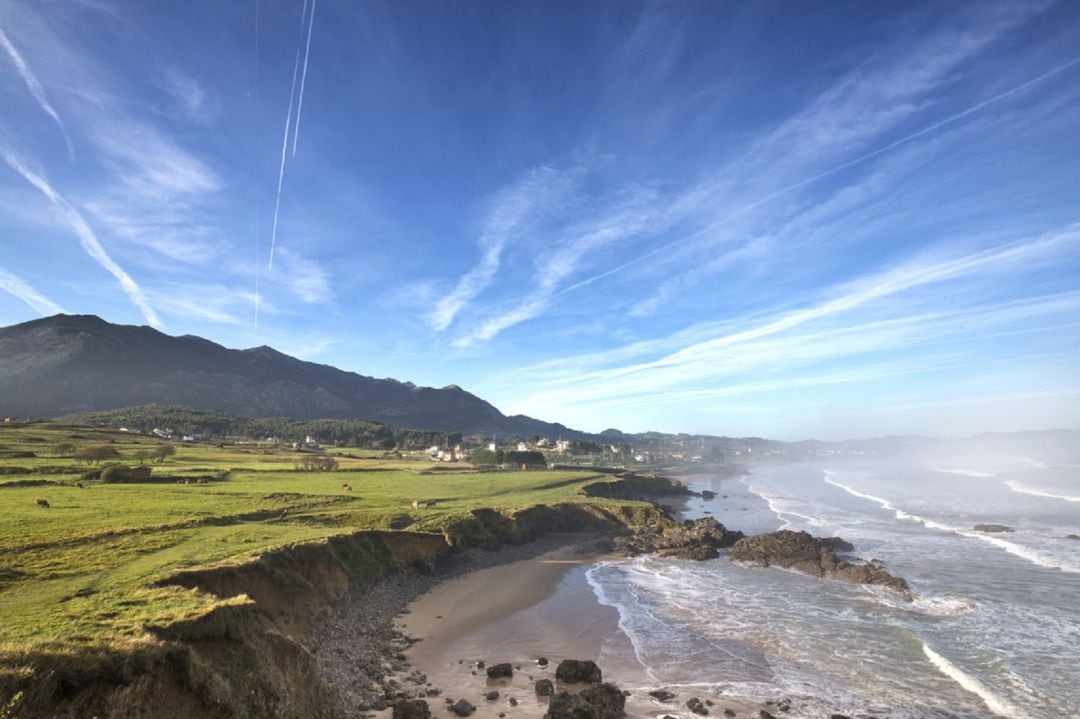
x,y
347,487
79,485
42,502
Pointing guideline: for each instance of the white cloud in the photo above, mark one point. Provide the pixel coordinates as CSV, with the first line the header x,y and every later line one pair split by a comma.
x,y
304,278
877,313
508,216
86,236
35,88
188,94
17,287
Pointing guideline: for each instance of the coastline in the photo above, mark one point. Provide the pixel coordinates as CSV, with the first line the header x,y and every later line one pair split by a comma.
x,y
536,607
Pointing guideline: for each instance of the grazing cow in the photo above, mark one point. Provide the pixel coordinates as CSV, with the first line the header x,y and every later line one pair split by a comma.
x,y
79,485
42,503
416,504
202,480
430,503
346,487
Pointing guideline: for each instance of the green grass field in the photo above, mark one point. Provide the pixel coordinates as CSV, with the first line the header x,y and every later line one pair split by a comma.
x,y
79,576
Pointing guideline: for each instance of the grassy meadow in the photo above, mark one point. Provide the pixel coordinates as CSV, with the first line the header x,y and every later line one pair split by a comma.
x,y
79,576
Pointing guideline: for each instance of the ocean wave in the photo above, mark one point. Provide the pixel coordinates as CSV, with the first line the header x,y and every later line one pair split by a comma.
x,y
1031,555
1034,463
963,472
1023,489
781,512
993,702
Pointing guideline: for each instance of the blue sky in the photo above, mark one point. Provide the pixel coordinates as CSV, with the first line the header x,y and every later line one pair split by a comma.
x,y
784,219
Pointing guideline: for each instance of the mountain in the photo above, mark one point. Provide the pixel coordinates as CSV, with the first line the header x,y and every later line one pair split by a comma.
x,y
75,363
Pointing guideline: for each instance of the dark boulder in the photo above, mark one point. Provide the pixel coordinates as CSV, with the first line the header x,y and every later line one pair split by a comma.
x,y
544,688
462,708
662,695
542,662
500,671
1072,536
992,528
729,713
810,555
492,695
411,709
599,701
697,706
576,671
565,705
607,700
708,494
766,715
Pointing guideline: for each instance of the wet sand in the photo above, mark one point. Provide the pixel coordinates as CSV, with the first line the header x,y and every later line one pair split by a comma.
x,y
517,613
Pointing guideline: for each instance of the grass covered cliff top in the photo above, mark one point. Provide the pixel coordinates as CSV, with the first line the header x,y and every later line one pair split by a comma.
x,y
82,574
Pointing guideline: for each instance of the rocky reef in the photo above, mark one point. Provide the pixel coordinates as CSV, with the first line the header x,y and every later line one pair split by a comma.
x,y
814,556
699,539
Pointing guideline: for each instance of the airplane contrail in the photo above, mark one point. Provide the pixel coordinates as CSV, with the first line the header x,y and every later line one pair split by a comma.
x,y
862,158
303,78
17,287
285,144
258,259
35,88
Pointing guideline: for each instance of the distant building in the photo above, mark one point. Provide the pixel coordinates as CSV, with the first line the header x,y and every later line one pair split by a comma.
x,y
492,447
563,445
523,447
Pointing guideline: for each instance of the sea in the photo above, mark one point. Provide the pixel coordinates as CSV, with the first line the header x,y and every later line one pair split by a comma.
x,y
994,630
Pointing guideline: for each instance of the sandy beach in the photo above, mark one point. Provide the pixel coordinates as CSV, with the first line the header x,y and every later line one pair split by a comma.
x,y
518,613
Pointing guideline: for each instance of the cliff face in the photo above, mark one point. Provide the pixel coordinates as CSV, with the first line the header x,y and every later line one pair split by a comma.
x,y
253,653
65,364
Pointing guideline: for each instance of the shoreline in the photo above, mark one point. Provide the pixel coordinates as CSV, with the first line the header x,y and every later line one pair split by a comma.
x,y
536,607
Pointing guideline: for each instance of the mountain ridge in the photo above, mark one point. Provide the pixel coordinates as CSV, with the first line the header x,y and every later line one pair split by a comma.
x,y
65,364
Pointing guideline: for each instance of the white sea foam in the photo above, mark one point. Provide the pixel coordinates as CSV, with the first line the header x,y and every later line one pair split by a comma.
x,y
963,472
780,510
993,702
1026,553
1035,463
1024,489
624,617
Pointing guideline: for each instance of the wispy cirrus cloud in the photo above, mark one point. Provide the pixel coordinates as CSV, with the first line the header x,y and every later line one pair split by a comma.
x,y
35,88
302,277
71,215
831,133
874,314
19,288
509,216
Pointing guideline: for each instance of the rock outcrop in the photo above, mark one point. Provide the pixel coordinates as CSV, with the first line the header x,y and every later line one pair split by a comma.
x,y
813,556
500,671
599,701
576,671
992,528
699,539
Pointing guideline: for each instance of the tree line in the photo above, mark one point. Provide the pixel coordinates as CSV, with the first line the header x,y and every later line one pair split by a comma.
x,y
215,425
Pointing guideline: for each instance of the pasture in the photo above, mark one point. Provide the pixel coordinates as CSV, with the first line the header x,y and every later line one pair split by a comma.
x,y
79,575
